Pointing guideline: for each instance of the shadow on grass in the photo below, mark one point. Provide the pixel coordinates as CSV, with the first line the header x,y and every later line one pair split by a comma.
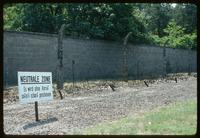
x,y
40,122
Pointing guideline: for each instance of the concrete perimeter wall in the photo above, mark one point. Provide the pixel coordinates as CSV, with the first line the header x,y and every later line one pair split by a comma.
x,y
94,59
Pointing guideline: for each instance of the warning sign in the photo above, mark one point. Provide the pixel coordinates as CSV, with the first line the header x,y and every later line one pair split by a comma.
x,y
35,86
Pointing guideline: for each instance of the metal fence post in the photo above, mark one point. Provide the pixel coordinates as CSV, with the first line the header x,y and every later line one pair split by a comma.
x,y
73,62
138,69
189,64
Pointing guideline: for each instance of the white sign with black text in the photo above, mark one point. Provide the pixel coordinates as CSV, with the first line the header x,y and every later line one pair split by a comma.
x,y
35,86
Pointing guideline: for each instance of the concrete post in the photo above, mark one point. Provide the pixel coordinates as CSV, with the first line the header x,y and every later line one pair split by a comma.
x,y
60,60
125,65
164,60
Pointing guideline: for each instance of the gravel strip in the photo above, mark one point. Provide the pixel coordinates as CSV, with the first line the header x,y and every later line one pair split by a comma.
x,y
73,113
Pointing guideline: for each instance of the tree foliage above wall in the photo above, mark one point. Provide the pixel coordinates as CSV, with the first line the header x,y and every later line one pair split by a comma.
x,y
150,23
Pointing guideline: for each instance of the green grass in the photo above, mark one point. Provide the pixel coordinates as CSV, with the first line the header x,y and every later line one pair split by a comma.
x,y
175,119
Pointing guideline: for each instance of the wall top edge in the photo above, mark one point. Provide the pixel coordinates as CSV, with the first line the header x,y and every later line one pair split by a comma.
x,y
68,37
31,33
56,35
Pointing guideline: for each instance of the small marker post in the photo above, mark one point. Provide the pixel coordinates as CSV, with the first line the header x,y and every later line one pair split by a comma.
x,y
36,111
146,83
176,80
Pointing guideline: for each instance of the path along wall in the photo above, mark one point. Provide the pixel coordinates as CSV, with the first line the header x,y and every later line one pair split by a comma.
x,y
94,59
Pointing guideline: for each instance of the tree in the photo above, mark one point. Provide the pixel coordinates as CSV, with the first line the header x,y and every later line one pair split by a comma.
x,y
186,16
109,21
157,17
176,37
96,20
104,21
12,16
46,18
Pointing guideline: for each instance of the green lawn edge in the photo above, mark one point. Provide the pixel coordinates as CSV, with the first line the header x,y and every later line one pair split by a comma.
x,y
179,118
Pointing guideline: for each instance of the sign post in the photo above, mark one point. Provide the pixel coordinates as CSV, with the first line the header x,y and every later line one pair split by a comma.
x,y
36,111
35,87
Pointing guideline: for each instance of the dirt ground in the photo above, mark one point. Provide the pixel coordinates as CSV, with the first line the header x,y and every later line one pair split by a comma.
x,y
91,105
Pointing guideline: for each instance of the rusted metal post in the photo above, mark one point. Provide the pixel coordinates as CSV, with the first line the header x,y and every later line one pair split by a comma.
x,y
125,65
6,73
189,64
138,69
60,61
